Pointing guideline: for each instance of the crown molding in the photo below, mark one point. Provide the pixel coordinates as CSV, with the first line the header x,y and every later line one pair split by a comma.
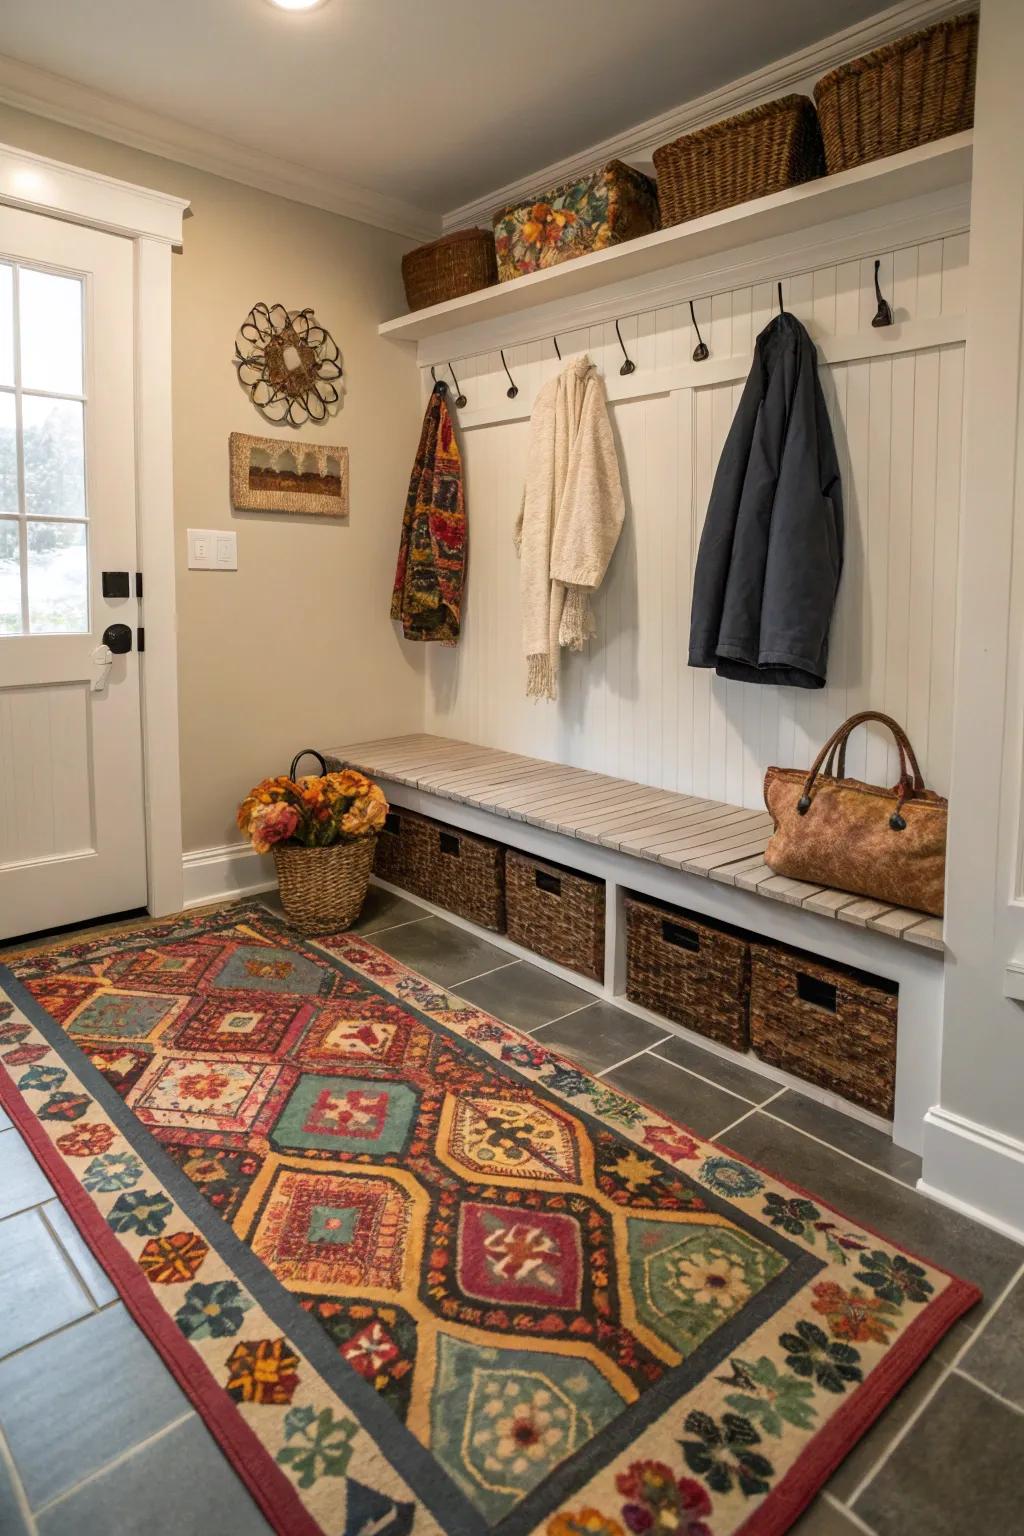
x,y
78,106
795,71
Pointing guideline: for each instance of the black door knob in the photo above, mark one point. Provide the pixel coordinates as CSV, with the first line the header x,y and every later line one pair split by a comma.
x,y
118,637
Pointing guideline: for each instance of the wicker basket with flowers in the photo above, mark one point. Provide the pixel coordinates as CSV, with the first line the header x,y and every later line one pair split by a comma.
x,y
322,830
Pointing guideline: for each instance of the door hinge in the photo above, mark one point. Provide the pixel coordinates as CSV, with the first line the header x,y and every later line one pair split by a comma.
x,y
138,583
140,638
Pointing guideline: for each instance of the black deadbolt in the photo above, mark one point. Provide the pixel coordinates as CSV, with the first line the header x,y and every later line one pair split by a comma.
x,y
115,584
118,637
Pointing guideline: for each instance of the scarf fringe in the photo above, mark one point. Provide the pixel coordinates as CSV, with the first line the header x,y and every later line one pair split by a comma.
x,y
577,625
541,682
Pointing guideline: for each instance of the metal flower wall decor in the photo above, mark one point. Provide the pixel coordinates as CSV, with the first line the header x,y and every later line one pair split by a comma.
x,y
289,364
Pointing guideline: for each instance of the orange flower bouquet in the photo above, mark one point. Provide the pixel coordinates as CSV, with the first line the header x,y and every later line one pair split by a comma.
x,y
322,831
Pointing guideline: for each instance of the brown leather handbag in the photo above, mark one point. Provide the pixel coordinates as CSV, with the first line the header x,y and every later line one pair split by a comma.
x,y
833,831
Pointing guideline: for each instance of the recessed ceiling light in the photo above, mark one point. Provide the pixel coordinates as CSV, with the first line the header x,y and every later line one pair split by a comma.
x,y
297,5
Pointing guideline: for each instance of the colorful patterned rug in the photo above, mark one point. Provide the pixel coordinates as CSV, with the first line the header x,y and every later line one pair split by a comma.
x,y
419,1273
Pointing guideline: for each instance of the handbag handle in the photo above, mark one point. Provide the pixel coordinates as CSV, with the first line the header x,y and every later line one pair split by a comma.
x,y
307,752
835,763
834,750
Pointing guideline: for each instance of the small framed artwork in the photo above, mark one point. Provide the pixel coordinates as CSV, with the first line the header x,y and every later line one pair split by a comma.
x,y
269,475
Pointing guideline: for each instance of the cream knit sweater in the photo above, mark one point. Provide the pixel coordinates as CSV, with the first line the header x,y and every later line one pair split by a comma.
x,y
570,519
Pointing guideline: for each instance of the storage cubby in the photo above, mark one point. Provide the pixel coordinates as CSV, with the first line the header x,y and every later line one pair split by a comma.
x,y
829,1024
453,868
689,970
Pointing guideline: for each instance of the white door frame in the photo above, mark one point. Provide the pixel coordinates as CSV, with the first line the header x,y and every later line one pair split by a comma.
x,y
152,221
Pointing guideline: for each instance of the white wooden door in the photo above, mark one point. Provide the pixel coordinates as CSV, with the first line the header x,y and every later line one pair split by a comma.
x,y
72,839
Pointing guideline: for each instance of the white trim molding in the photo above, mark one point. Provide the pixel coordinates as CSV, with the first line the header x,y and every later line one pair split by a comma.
x,y
797,71
154,502
222,874
79,106
966,1163
68,192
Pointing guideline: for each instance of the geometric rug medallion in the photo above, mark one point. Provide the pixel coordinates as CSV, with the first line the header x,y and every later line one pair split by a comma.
x,y
419,1272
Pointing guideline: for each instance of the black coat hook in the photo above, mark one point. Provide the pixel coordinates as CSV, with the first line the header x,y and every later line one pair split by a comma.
x,y
782,307
460,398
628,366
700,351
558,353
883,314
439,384
513,388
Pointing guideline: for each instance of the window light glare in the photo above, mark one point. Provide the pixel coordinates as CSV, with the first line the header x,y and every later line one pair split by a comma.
x,y
296,5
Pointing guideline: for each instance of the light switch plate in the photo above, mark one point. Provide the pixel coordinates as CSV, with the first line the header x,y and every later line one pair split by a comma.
x,y
226,552
212,549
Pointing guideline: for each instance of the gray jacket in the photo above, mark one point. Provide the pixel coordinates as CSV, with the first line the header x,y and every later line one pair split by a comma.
x,y
772,547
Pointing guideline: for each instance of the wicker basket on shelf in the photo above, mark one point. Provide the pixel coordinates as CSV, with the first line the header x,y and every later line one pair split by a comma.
x,y
825,1023
466,875
448,268
556,912
323,889
912,91
767,149
688,969
402,854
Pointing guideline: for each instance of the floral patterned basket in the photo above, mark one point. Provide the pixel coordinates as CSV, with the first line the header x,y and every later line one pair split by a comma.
x,y
613,204
322,830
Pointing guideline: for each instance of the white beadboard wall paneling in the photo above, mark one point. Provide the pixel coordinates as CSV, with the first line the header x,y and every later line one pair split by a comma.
x,y
630,705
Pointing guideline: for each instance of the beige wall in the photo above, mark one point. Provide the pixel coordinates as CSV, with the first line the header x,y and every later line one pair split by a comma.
x,y
295,648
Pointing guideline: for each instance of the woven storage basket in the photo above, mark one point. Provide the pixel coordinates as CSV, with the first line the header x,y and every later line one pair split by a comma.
x,y
556,912
448,268
402,856
688,970
832,1026
919,88
771,147
466,874
323,889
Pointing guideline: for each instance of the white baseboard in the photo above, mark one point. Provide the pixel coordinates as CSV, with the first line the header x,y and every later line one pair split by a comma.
x,y
215,874
974,1169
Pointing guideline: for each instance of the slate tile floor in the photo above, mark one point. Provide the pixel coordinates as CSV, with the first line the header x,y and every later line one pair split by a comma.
x,y
107,1452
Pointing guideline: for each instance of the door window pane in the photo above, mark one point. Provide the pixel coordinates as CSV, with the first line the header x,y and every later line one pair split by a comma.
x,y
54,457
6,324
8,455
44,547
58,588
10,580
50,326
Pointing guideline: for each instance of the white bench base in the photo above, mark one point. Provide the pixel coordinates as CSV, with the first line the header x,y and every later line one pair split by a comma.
x,y
917,970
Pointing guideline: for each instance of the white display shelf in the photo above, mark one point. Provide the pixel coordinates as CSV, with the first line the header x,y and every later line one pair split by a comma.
x,y
881,184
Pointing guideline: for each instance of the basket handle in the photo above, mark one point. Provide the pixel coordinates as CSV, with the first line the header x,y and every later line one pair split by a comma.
x,y
307,752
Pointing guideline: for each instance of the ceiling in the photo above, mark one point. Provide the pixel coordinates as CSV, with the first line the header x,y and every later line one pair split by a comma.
x,y
434,105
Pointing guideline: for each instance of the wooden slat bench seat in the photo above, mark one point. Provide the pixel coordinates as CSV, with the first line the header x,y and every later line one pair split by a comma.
x,y
702,837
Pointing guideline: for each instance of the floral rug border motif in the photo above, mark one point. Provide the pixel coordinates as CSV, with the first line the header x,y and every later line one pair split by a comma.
x,y
742,1448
